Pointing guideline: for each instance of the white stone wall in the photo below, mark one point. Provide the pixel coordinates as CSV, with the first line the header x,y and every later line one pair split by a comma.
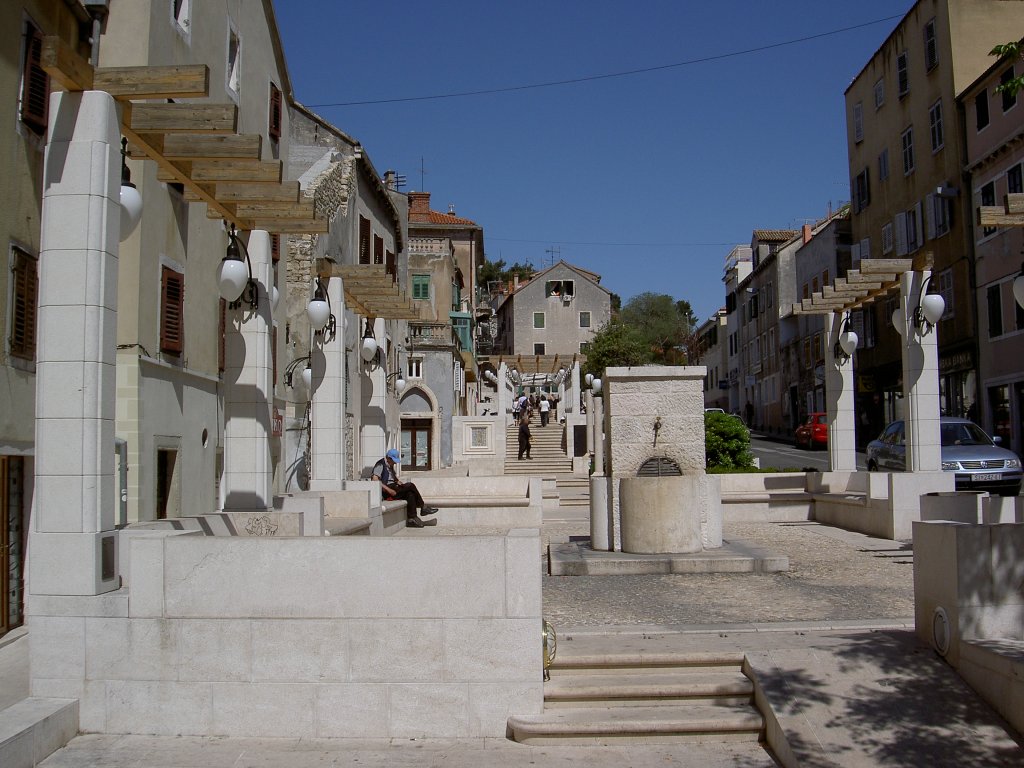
x,y
311,638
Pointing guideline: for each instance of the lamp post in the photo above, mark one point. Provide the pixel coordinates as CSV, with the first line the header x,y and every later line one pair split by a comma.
x,y
234,276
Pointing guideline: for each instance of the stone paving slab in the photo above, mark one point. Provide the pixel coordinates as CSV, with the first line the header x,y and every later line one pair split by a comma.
x,y
578,558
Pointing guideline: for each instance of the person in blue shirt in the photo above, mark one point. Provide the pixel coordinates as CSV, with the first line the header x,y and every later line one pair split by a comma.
x,y
385,473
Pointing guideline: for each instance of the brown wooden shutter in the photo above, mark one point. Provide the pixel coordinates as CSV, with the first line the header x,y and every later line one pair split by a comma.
x,y
35,95
391,266
274,120
364,240
222,343
378,249
172,311
23,325
275,248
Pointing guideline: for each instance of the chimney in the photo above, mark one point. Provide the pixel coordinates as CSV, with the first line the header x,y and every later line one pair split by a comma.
x,y
451,208
516,280
419,202
389,180
807,233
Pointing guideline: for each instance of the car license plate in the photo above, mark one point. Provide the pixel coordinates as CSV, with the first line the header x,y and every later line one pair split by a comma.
x,y
988,477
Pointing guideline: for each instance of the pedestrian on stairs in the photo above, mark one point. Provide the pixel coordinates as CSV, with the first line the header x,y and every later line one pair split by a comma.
x,y
545,410
524,437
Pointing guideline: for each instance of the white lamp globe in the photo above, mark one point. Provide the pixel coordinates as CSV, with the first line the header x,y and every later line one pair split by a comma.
x,y
369,348
932,307
589,379
897,321
597,386
232,276
1018,289
319,312
307,377
848,342
131,210
399,385
275,299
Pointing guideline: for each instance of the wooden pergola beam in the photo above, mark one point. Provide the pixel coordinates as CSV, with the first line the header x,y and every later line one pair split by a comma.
x,y
184,118
212,147
189,81
65,66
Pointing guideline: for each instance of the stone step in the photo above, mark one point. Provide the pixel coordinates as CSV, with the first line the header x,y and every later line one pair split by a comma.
x,y
637,663
659,688
658,724
34,728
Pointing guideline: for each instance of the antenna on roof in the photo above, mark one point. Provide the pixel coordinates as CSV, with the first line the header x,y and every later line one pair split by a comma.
x,y
553,250
423,172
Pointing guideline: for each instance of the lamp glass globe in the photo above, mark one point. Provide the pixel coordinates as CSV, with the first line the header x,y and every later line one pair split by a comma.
x,y
848,342
307,377
897,321
318,312
369,348
932,307
589,379
131,210
275,299
597,386
1018,289
399,385
232,275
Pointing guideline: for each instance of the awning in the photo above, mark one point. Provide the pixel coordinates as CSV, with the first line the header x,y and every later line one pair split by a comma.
x,y
548,364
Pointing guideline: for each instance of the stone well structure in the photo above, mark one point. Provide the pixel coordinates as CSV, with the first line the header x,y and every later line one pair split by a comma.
x,y
654,425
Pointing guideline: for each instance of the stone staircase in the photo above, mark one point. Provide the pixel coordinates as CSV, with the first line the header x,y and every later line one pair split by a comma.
x,y
649,698
547,452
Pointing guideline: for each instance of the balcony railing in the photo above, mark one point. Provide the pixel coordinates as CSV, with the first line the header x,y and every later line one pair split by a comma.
x,y
433,335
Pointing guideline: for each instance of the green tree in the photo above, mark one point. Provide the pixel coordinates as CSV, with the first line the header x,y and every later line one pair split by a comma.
x,y
664,324
501,272
1011,51
616,344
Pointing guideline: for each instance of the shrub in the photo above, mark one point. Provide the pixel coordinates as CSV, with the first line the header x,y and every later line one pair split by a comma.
x,y
726,442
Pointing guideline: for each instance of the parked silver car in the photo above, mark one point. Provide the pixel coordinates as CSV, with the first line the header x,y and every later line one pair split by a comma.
x,y
980,464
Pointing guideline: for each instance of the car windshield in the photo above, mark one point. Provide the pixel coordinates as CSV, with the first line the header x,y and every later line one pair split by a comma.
x,y
820,419
963,434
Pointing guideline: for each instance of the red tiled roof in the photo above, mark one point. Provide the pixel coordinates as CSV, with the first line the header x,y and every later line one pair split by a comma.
x,y
775,235
436,217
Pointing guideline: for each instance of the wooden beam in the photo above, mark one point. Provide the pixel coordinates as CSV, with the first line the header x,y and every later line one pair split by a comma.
x,y
65,66
856,278
301,210
190,81
994,216
293,226
881,266
184,118
1014,203
206,147
256,171
244,192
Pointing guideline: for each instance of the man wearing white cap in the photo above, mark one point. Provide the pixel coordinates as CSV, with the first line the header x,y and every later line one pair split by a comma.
x,y
385,473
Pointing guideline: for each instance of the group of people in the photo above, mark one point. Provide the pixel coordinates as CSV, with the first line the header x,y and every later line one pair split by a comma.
x,y
523,410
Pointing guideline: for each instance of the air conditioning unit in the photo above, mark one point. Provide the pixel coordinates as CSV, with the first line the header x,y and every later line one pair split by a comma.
x,y
566,298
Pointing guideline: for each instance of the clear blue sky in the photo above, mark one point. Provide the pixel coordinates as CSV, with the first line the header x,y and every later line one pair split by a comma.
x,y
648,179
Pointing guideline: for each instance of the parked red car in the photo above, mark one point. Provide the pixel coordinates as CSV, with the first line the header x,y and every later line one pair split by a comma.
x,y
814,432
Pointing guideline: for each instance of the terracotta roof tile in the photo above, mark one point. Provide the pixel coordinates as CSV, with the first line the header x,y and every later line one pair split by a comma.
x,y
436,217
775,235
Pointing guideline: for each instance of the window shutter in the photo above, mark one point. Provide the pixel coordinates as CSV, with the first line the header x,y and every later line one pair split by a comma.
x,y
390,266
901,234
378,249
275,248
929,210
172,314
919,228
274,119
35,95
23,316
364,240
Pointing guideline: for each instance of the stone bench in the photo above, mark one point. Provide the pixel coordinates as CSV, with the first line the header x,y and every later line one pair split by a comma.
x,y
515,501
995,669
764,497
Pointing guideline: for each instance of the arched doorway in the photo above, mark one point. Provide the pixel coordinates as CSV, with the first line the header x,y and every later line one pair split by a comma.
x,y
418,430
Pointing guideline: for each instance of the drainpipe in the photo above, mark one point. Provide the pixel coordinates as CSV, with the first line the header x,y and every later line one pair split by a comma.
x,y
121,446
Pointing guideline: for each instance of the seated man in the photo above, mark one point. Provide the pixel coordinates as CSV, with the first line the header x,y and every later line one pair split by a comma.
x,y
384,472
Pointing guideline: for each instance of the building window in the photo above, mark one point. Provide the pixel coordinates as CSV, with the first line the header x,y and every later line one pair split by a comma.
x,y
768,295
938,212
1013,180
988,197
861,191
995,311
559,288
931,50
274,116
378,249
364,240
421,286
887,238
907,141
879,93
946,291
1009,97
538,319
415,367
35,83
172,311
181,16
935,122
234,63
883,165
25,301
903,82
584,319
981,110
538,349
858,123
584,347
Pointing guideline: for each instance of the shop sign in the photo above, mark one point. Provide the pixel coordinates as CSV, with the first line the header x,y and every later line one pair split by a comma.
x,y
277,423
959,361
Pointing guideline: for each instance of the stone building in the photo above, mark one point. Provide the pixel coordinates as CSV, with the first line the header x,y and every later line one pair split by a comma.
x,y
712,335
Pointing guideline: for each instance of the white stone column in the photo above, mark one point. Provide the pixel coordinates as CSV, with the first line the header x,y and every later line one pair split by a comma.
x,y
574,405
327,416
589,399
840,401
504,399
248,393
72,549
601,534
920,381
